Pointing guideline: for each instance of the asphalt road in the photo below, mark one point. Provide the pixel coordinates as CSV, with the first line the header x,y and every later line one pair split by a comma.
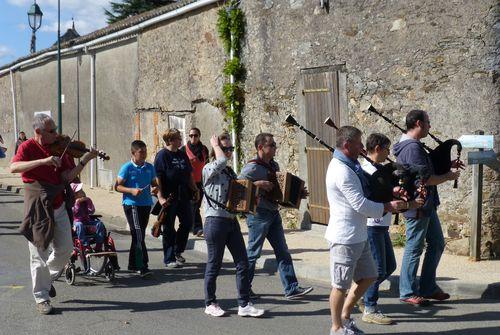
x,y
172,301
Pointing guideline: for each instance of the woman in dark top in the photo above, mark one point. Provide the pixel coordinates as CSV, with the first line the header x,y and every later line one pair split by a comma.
x,y
176,182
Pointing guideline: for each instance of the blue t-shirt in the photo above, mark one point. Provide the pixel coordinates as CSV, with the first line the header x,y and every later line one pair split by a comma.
x,y
136,176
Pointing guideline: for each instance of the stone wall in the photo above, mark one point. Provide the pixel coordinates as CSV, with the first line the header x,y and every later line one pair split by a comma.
x,y
438,56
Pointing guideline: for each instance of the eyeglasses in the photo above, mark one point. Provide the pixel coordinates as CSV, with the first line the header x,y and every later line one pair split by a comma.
x,y
52,131
227,149
272,145
194,135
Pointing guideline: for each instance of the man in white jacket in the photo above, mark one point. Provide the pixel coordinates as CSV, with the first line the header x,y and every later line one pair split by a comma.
x,y
350,256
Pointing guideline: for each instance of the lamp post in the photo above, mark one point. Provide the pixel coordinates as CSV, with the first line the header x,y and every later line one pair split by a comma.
x,y
59,89
35,21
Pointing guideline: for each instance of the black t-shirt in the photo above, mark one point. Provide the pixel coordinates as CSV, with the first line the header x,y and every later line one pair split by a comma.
x,y
174,170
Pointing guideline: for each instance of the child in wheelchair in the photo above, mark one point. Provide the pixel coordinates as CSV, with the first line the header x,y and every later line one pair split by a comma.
x,y
86,225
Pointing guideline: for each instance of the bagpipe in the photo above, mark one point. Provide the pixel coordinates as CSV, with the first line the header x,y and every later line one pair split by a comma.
x,y
386,177
439,156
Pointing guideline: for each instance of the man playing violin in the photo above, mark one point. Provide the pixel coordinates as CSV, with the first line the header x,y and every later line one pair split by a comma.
x,y
422,226
46,220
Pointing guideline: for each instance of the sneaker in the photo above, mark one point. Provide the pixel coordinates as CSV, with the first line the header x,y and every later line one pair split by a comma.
x,y
52,291
173,265
351,329
298,292
249,310
440,296
415,301
146,272
180,259
44,308
214,310
253,295
376,317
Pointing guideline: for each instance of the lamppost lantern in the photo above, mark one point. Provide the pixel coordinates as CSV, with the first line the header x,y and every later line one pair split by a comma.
x,y
35,21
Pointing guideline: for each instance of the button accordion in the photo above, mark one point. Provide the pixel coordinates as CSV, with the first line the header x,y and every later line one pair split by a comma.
x,y
287,190
242,196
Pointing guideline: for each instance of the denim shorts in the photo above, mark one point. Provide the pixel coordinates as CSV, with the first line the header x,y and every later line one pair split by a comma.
x,y
351,262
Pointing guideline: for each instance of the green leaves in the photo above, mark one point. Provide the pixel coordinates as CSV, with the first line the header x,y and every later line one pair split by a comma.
x,y
126,8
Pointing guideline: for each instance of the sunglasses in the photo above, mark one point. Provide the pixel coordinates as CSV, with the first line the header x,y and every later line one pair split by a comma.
x,y
52,131
272,145
194,135
227,149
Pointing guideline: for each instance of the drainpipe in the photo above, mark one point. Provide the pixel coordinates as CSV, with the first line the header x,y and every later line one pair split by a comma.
x,y
234,137
14,108
92,119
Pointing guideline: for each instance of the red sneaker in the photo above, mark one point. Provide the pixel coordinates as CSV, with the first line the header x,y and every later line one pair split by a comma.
x,y
415,301
440,296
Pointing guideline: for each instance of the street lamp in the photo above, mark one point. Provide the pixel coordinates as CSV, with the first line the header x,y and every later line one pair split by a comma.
x,y
35,21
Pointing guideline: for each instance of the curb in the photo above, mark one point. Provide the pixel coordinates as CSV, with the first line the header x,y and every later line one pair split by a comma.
x,y
268,264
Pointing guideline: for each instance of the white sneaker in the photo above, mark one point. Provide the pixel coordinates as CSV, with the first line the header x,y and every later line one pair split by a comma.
x,y
214,310
249,310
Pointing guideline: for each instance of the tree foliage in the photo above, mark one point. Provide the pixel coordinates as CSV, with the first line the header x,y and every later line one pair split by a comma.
x,y
126,8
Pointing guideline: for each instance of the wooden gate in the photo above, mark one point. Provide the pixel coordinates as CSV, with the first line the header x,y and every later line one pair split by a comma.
x,y
321,100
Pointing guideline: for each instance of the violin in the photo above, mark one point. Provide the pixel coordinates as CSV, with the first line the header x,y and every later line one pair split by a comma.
x,y
75,149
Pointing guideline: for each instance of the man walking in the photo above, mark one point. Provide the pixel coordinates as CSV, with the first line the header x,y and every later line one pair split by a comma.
x,y
350,255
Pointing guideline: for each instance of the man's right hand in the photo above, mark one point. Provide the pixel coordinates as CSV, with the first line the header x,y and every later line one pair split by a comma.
x,y
136,192
52,161
453,175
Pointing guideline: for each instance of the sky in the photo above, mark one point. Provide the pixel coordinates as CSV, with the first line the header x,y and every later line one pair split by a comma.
x,y
15,32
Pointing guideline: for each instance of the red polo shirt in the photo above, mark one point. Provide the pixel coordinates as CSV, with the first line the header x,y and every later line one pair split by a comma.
x,y
31,150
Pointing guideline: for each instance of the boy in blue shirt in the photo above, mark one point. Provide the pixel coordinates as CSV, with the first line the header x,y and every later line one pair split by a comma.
x,y
135,180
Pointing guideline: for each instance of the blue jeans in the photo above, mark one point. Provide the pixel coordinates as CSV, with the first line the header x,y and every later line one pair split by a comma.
x,y
383,254
174,242
267,224
96,227
418,232
219,233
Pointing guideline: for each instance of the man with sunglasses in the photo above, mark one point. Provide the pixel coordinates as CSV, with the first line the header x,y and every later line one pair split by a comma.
x,y
198,157
46,199
267,223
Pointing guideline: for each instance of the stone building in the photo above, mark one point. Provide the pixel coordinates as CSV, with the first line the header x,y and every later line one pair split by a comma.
x,y
163,68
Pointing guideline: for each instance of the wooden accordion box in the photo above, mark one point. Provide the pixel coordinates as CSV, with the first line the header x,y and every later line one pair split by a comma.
x,y
242,197
289,190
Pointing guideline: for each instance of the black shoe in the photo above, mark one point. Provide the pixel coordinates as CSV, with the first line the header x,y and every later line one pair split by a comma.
x,y
52,291
146,272
253,295
132,268
180,259
298,292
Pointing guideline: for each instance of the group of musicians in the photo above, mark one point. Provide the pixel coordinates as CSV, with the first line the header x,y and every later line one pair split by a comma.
x,y
358,253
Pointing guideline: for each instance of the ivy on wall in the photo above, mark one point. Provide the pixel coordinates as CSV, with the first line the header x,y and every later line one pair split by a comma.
x,y
231,29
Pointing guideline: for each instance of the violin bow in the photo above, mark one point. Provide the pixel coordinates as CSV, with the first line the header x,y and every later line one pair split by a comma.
x,y
67,145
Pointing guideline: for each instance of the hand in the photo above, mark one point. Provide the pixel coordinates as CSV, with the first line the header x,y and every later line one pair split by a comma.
x,y
399,193
395,206
305,193
214,141
52,161
458,164
417,203
264,184
154,190
136,192
90,155
164,202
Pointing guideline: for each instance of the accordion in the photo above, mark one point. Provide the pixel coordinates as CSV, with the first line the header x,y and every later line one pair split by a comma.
x,y
242,196
287,190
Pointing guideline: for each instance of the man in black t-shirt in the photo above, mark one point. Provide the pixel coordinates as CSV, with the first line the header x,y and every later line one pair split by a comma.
x,y
174,173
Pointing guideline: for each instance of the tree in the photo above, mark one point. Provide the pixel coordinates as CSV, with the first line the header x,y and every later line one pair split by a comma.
x,y
126,8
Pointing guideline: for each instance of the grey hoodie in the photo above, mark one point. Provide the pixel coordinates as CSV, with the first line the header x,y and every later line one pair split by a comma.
x,y
411,151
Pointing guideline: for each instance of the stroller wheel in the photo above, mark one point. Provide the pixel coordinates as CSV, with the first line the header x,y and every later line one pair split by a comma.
x,y
69,274
109,272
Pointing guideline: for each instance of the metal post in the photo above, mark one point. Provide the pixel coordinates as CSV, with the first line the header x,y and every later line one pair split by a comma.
x,y
92,118
78,60
477,205
14,107
33,41
59,89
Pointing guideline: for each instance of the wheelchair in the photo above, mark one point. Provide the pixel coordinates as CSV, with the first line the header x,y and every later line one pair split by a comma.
x,y
93,262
